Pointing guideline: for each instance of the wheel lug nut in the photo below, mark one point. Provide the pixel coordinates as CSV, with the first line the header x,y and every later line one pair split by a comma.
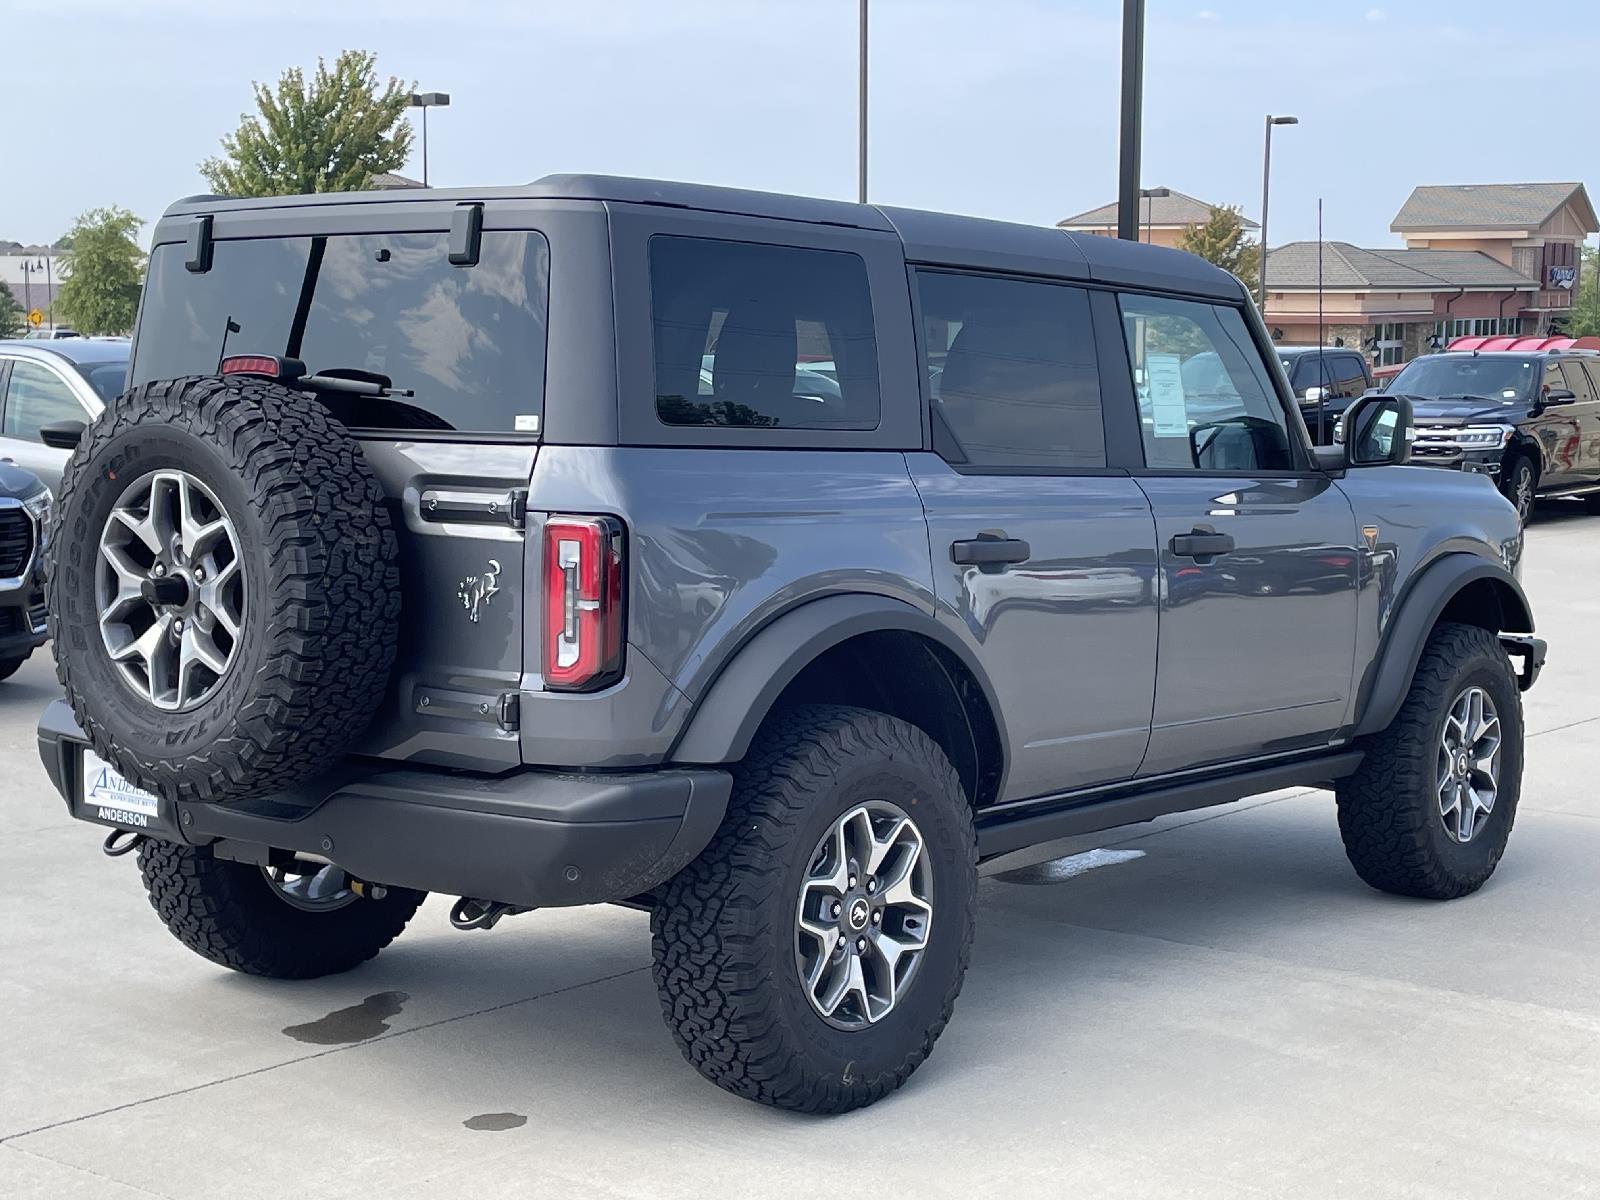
x,y
199,575
877,918
177,625
852,881
872,886
836,908
158,570
861,945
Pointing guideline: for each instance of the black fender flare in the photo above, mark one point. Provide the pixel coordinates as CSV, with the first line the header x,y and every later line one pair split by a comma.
x,y
741,696
1388,679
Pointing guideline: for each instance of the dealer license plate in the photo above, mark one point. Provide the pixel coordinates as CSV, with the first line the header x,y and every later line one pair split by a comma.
x,y
106,797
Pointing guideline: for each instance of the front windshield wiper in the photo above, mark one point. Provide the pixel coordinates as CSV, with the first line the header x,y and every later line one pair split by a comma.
x,y
1483,399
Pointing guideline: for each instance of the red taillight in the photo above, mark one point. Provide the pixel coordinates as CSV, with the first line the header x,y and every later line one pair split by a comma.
x,y
582,603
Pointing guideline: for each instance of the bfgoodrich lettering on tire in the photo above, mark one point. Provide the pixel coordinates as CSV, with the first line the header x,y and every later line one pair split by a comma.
x,y
1430,810
225,599
811,956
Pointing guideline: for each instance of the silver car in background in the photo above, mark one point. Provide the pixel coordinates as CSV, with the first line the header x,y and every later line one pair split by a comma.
x,y
45,383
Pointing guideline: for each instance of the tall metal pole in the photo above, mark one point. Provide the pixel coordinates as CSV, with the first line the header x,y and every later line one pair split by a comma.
x,y
1132,101
1266,176
1322,359
424,145
861,114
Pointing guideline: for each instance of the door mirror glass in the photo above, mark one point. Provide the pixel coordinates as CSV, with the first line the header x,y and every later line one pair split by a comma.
x,y
1378,431
1557,396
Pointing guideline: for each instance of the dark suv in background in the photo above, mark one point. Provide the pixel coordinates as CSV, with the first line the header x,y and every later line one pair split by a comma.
x,y
1530,421
769,564
1324,382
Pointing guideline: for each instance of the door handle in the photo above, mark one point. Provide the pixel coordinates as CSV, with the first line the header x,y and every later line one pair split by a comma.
x,y
1201,543
991,548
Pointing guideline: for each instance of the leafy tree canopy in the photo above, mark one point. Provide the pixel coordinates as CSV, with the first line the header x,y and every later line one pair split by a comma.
x,y
101,273
12,317
1223,241
331,135
1584,320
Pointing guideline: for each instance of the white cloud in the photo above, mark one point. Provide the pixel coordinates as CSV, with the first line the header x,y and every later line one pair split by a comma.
x,y
1377,14
1205,14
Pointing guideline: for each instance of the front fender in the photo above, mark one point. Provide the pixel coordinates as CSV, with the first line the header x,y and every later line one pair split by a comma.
x,y
739,699
1388,677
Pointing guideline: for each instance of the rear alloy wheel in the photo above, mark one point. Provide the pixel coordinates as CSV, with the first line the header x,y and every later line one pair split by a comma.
x,y
812,954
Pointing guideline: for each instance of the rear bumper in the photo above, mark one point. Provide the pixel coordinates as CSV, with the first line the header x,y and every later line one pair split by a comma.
x,y
534,838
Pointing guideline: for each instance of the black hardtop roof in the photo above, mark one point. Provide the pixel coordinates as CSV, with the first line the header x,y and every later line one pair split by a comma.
x,y
939,239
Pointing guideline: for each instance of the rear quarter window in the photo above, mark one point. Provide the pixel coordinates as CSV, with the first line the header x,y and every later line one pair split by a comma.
x,y
468,342
761,336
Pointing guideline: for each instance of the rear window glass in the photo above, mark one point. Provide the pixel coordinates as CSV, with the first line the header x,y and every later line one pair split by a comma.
x,y
762,337
467,342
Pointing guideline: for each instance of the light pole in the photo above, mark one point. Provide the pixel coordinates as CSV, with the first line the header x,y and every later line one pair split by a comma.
x,y
861,110
1266,177
1132,104
425,101
1147,195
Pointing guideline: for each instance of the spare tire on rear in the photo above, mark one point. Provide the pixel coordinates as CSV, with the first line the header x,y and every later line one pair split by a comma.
x,y
225,595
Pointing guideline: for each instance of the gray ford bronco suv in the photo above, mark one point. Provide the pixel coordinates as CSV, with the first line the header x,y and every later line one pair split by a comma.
x,y
769,563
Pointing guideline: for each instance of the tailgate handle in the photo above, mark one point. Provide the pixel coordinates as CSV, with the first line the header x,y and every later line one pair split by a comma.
x,y
476,508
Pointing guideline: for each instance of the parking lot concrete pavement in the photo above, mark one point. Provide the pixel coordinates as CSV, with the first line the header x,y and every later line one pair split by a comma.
x,y
1230,1013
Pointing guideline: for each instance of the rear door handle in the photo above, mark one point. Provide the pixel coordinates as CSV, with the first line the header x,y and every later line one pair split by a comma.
x,y
991,548
1201,543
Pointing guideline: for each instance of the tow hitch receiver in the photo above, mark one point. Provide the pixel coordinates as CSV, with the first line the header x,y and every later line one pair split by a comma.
x,y
468,913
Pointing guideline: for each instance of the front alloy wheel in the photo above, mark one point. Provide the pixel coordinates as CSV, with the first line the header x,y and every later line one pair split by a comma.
x,y
1469,763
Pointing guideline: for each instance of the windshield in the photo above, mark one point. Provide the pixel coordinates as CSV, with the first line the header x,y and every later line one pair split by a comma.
x,y
108,379
1506,378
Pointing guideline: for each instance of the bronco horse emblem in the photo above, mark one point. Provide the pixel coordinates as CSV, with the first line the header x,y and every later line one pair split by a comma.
x,y
476,591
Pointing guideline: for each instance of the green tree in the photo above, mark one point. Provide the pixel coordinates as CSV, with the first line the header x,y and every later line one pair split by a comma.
x,y
1223,241
1584,320
332,135
101,273
11,314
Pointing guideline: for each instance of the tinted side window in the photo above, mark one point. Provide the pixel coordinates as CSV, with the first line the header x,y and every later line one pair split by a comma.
x,y
1307,372
1577,381
36,397
762,336
469,342
1012,370
1205,399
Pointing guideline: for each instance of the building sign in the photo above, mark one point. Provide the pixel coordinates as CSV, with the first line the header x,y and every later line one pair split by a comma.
x,y
1563,277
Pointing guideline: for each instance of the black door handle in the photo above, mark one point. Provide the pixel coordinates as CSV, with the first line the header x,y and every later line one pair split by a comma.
x,y
1201,543
991,548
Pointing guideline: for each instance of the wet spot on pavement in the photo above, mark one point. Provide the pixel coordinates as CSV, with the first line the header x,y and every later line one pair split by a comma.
x,y
357,1023
496,1122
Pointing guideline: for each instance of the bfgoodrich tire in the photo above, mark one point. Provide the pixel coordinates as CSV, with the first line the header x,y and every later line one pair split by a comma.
x,y
1455,745
848,840
232,914
240,544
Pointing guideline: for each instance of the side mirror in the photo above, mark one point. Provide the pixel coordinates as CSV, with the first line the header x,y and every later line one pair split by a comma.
x,y
1316,393
1557,396
62,435
1378,431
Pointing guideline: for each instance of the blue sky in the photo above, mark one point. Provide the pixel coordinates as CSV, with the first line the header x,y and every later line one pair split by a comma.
x,y
1004,108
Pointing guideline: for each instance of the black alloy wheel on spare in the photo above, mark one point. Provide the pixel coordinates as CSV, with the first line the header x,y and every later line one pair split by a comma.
x,y
225,596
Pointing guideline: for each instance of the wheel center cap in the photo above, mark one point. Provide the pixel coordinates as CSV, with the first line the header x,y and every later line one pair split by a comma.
x,y
859,913
1462,765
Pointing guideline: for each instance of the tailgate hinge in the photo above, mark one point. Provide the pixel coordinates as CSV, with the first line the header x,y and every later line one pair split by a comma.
x,y
510,715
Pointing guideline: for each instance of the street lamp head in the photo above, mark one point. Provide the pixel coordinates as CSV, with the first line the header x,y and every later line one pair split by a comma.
x,y
1155,193
1284,120
429,100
